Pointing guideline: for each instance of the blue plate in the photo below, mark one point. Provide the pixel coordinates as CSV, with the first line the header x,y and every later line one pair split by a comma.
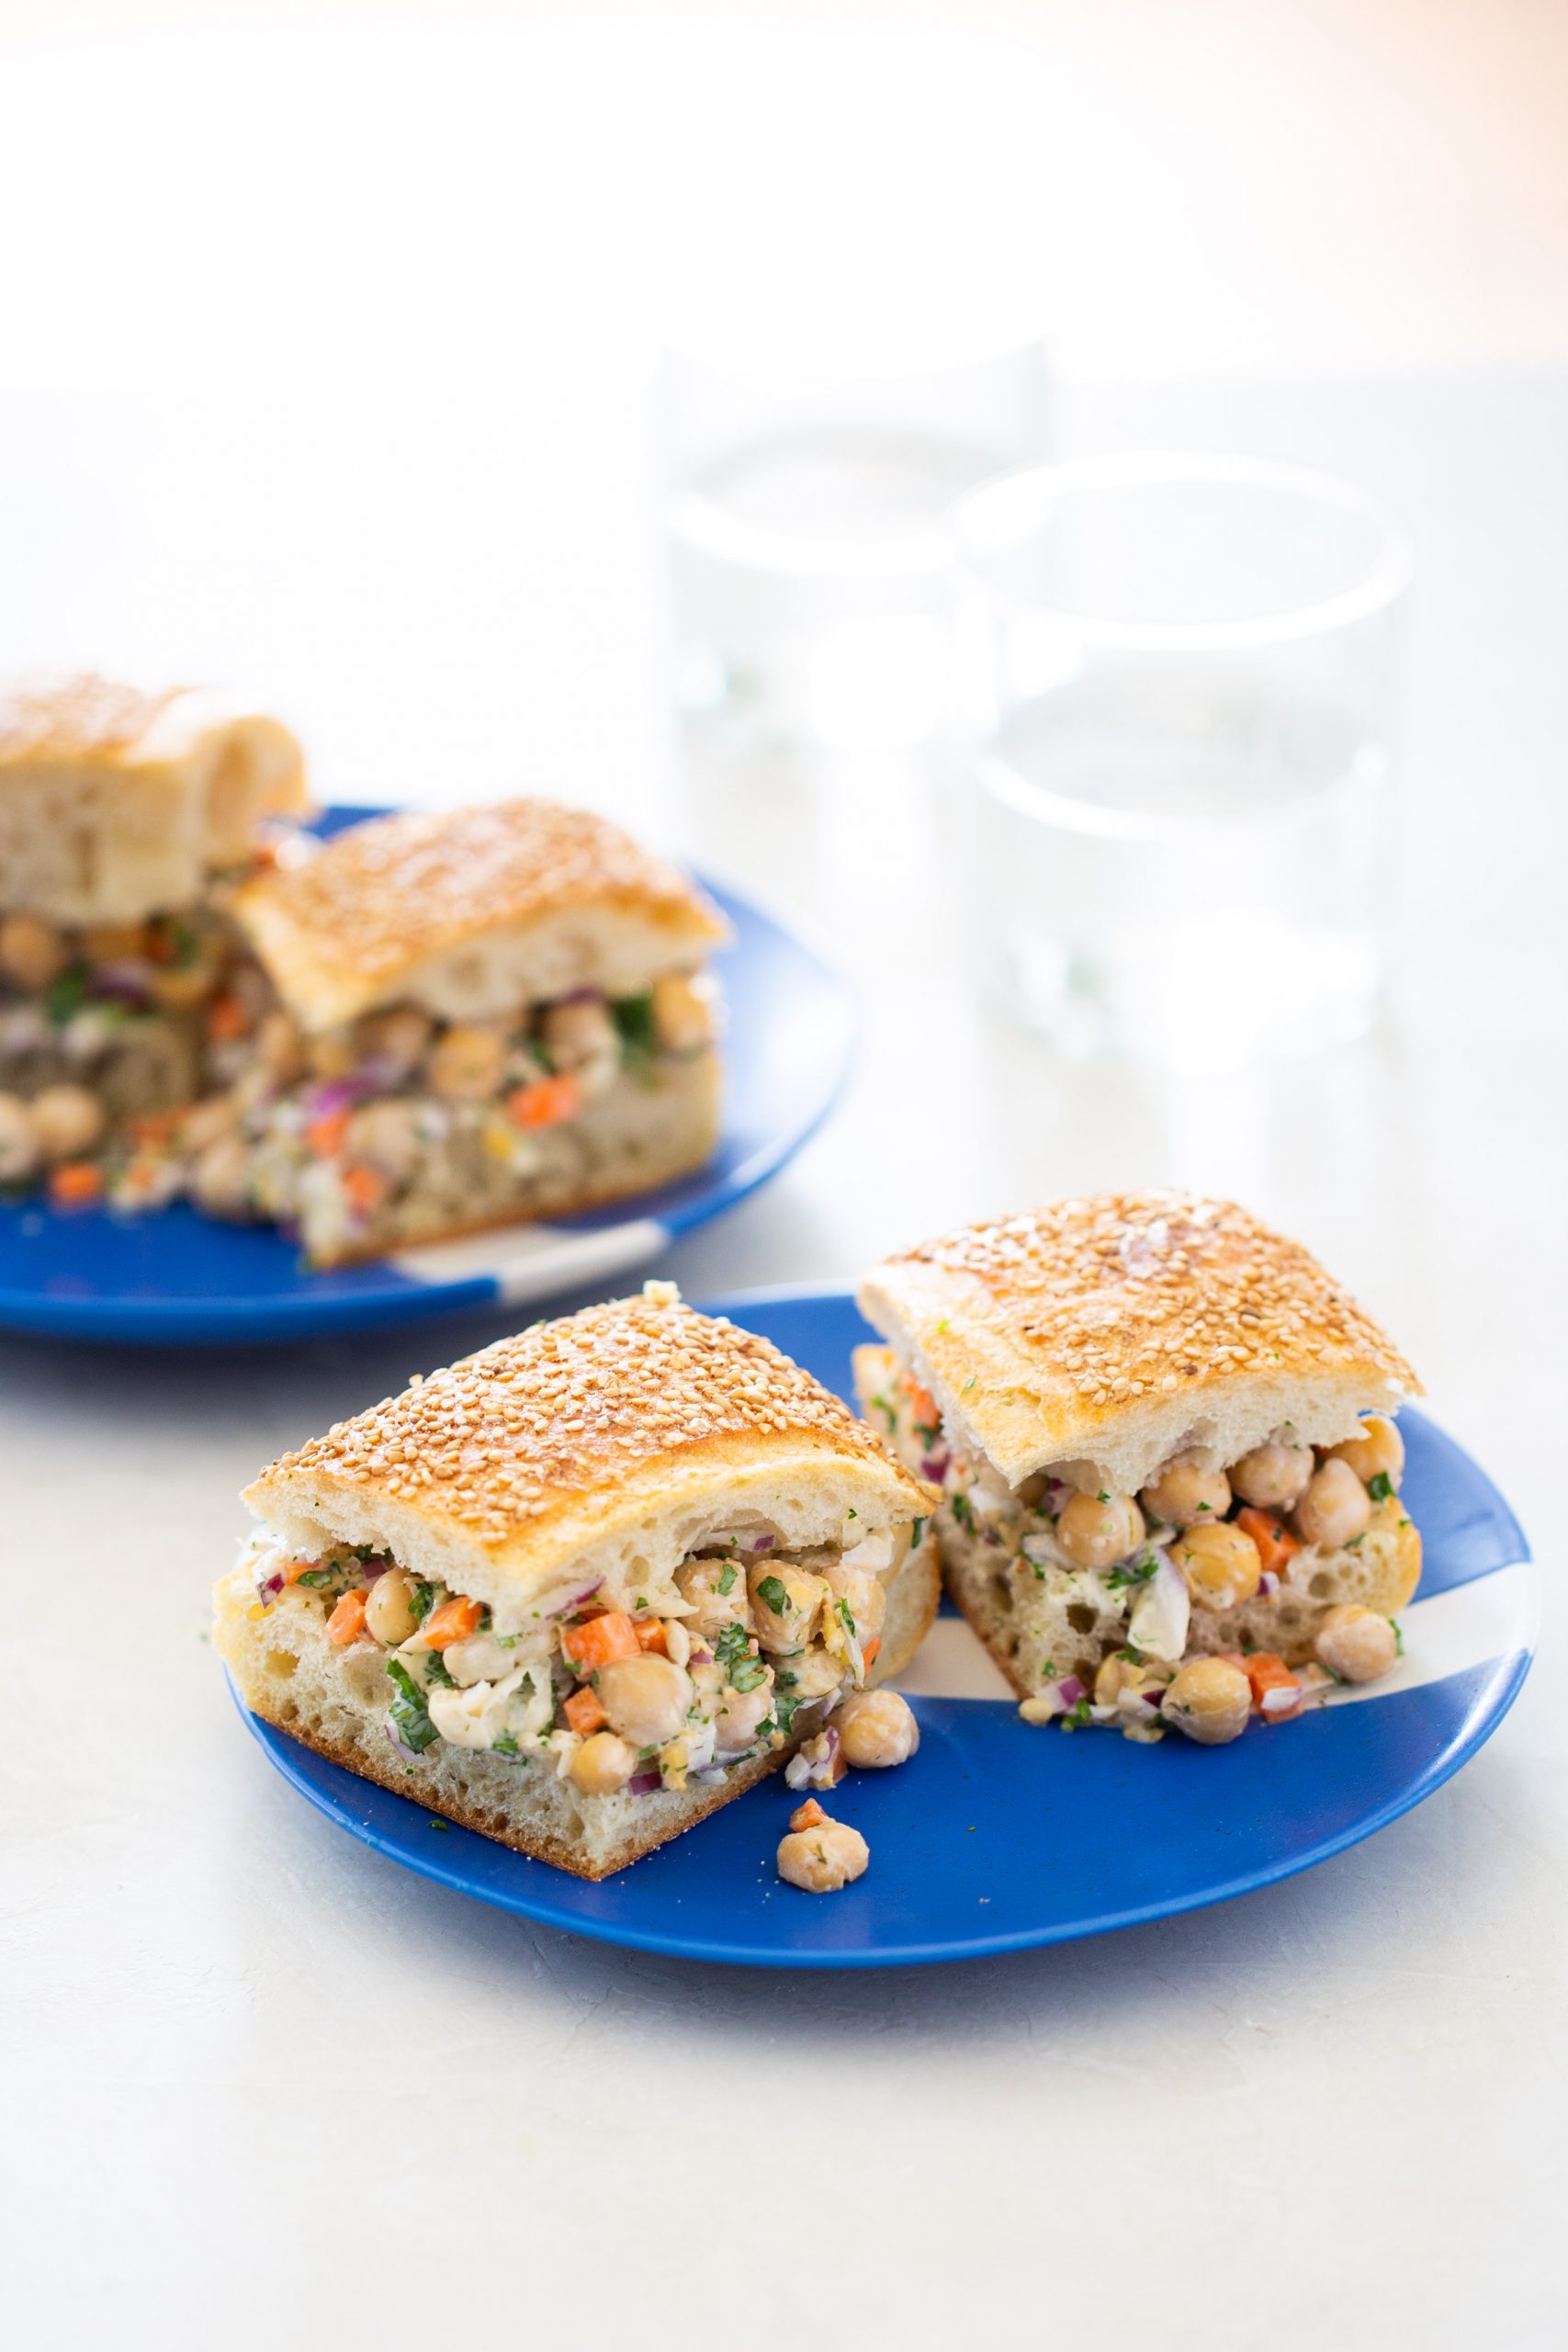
x,y
178,1278
996,1836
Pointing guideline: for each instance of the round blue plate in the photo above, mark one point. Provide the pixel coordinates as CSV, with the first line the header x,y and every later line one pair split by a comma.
x,y
178,1278
996,1836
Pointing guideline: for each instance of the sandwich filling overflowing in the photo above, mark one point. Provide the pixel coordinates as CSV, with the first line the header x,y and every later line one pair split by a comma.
x,y
1219,1594
741,1652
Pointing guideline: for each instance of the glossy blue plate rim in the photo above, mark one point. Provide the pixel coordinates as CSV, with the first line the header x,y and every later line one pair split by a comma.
x,y
1081,1834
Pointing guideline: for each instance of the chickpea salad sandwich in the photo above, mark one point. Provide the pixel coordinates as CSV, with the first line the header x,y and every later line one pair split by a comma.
x,y
578,1590
126,822
1170,1485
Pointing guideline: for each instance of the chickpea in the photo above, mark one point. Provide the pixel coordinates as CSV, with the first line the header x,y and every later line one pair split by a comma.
x,y
784,1602
206,1121
683,1012
1334,1509
1357,1644
580,1033
1377,1451
646,1697
875,1728
280,1049
220,1179
716,1592
1208,1700
865,1596
602,1764
1096,1533
1184,1492
19,1148
387,1135
32,951
466,1064
1115,1674
816,1674
399,1037
740,1715
67,1120
388,1609
1222,1565
1273,1474
824,1857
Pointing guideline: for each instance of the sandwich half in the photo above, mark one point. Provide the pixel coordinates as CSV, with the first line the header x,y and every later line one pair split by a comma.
x,y
581,1588
481,1016
1170,1482
124,818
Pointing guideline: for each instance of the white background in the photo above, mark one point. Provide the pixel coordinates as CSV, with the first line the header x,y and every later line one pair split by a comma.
x,y
357,307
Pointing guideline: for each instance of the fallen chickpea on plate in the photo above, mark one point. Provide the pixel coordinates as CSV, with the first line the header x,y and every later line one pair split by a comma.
x,y
1170,1480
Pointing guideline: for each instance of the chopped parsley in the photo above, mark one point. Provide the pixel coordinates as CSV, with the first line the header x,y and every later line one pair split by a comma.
x,y
963,1512
881,1405
727,1581
66,994
916,1532
1121,1579
633,1017
742,1670
505,1746
1398,1637
1075,1719
927,1431
409,1717
1381,1487
318,1578
848,1623
438,1674
422,1601
772,1594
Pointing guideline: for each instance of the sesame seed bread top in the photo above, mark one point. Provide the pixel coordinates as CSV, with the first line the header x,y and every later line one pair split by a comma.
x,y
474,911
1097,1337
606,1444
117,804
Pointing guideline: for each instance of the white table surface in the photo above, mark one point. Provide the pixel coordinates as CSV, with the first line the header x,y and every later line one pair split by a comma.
x,y
265,2090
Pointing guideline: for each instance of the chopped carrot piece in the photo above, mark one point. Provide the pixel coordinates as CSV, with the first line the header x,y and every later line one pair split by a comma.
x,y
347,1620
298,1568
227,1019
1276,1544
454,1621
868,1654
808,1815
922,1400
77,1182
1269,1674
363,1188
600,1640
583,1712
153,1129
324,1136
546,1102
650,1634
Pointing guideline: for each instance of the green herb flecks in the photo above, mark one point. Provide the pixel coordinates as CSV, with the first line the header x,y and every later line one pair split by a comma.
x,y
772,1594
1121,1579
727,1581
633,1017
408,1713
1380,1488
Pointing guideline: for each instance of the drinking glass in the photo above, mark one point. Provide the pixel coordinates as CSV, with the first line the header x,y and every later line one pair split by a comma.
x,y
1174,687
804,525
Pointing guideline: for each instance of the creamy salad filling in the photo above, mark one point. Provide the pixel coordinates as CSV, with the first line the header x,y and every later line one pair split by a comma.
x,y
742,1651
1146,1583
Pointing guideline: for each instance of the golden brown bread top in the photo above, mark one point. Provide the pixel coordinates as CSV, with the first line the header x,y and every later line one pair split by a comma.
x,y
580,1416
1044,1331
389,896
49,721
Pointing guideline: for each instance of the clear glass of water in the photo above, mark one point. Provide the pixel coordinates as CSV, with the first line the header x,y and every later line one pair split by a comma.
x,y
1174,681
804,527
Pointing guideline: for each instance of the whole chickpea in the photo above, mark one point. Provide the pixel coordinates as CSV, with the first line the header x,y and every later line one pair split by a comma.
x,y
205,1122
602,1764
1183,1492
1220,1563
398,1036
220,1179
784,1602
646,1697
683,1012
740,1715
279,1049
386,1134
824,1857
1096,1532
716,1592
67,1120
32,951
467,1063
1334,1509
1272,1476
875,1728
1208,1700
19,1146
581,1033
1357,1644
1377,1451
388,1609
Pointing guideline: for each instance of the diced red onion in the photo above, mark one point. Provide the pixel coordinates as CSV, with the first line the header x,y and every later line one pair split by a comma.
x,y
699,1655
578,1598
761,1544
586,994
1152,1698
641,1782
1269,1584
1070,1690
934,1467
408,1754
123,983
371,1569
